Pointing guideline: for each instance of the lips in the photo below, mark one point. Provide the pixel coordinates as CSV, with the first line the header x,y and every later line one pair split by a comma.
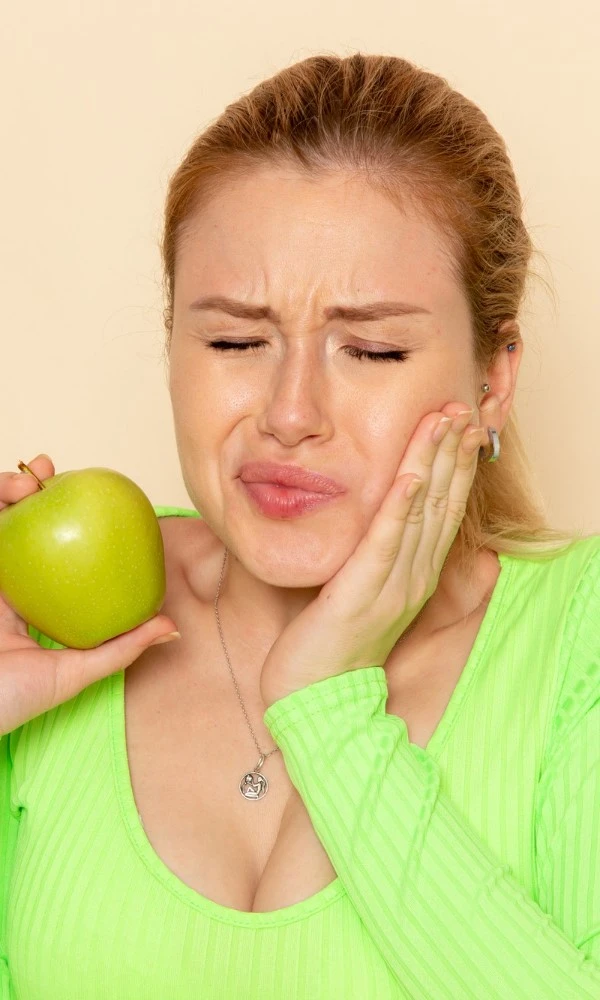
x,y
289,475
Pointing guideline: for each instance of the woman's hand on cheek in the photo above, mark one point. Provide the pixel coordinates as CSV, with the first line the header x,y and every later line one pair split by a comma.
x,y
363,610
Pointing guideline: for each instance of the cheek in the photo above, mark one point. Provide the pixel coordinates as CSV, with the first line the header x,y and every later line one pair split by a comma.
x,y
208,391
195,400
382,431
379,442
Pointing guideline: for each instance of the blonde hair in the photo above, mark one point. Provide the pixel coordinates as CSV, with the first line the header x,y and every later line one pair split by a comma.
x,y
407,132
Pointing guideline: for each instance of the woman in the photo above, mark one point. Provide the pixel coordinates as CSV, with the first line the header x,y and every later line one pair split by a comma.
x,y
344,264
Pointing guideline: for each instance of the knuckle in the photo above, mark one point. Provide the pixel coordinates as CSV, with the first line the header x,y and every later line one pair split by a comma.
x,y
422,588
438,500
6,478
457,510
415,515
68,677
388,552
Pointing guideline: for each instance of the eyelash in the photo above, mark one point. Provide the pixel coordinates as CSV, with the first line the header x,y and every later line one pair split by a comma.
x,y
354,352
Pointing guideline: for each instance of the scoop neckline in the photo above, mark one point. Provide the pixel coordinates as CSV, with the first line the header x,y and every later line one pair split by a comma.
x,y
157,867
335,889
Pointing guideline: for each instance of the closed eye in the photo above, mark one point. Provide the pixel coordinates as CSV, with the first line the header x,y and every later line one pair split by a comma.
x,y
354,352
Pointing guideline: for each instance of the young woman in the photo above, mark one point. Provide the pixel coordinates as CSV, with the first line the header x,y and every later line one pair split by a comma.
x,y
369,766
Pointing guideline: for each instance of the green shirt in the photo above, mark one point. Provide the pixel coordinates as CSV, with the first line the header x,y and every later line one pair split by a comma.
x,y
468,870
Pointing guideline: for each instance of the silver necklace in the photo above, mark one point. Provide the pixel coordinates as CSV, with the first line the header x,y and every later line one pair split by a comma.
x,y
254,784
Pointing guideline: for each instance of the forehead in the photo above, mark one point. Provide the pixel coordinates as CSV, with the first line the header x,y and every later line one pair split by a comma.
x,y
277,228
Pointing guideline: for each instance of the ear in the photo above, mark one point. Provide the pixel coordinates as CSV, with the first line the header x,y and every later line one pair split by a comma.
x,y
501,375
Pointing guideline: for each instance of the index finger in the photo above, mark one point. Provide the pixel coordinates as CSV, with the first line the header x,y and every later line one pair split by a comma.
x,y
15,485
465,466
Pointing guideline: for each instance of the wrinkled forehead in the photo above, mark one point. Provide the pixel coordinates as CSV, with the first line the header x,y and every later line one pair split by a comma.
x,y
284,234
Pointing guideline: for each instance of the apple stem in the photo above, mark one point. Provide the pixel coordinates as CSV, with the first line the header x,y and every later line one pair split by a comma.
x,y
25,468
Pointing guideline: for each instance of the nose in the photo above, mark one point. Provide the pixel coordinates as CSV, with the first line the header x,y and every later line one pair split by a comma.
x,y
296,399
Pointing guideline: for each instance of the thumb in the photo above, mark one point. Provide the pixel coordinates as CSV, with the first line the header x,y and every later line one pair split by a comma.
x,y
77,668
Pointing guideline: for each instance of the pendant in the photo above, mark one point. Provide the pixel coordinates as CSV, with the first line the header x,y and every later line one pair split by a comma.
x,y
254,785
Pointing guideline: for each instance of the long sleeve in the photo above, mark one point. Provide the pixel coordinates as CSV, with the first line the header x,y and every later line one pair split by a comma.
x,y
9,827
447,915
8,832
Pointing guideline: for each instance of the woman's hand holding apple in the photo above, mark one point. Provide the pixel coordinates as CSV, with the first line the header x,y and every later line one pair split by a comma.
x,y
33,679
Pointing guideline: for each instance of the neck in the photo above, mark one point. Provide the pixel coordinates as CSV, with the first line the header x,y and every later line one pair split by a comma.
x,y
256,612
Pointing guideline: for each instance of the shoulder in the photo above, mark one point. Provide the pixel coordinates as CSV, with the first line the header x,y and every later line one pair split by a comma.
x,y
178,518
580,574
581,638
193,555
579,689
556,582
181,527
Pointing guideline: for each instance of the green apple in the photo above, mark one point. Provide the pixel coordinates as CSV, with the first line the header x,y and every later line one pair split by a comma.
x,y
82,559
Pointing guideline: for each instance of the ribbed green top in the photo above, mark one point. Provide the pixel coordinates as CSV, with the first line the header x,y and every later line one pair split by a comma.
x,y
468,870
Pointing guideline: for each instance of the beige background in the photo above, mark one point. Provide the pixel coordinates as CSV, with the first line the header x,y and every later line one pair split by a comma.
x,y
100,101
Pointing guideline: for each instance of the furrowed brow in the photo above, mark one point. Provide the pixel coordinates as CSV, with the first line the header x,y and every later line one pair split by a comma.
x,y
353,314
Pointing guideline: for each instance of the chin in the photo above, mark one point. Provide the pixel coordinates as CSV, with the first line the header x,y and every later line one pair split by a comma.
x,y
291,568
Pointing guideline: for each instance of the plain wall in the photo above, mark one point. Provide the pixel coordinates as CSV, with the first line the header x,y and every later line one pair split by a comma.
x,y
100,102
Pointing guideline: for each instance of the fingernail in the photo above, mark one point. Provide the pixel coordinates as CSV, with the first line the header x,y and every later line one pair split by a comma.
x,y
440,430
166,638
412,489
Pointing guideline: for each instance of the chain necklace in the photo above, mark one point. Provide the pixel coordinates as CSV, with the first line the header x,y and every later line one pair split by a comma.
x,y
253,785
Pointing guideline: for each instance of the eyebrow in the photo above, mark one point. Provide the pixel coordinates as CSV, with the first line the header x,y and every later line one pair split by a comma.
x,y
361,313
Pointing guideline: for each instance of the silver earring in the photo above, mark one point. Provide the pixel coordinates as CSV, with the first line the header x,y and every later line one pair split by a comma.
x,y
485,387
491,431
493,436
495,443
